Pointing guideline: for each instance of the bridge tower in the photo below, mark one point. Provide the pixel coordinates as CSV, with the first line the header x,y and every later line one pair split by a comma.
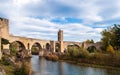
x,y
0,38
4,31
4,28
60,40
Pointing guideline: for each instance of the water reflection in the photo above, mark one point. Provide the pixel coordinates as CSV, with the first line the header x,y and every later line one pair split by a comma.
x,y
43,67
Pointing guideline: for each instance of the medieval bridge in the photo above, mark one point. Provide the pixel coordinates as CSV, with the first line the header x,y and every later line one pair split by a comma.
x,y
27,43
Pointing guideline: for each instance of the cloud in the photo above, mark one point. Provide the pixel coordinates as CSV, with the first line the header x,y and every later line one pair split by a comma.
x,y
79,19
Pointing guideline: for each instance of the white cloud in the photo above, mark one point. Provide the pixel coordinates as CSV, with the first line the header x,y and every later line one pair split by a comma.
x,y
32,18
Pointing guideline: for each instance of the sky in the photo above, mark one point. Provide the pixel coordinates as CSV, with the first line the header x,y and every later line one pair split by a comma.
x,y
79,19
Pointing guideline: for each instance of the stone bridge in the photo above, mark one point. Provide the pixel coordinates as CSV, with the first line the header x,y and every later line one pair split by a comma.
x,y
27,43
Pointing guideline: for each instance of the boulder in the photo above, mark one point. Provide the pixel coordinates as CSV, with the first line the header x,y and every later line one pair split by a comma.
x,y
24,54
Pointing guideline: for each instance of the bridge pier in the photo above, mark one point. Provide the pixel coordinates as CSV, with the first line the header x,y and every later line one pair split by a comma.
x,y
52,46
61,46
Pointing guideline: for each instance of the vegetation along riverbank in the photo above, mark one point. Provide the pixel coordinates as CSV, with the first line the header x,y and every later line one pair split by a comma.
x,y
108,56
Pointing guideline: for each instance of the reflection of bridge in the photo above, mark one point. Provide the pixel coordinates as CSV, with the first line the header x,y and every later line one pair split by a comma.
x,y
27,43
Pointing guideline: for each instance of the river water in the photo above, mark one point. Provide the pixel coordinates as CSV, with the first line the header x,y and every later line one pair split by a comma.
x,y
42,66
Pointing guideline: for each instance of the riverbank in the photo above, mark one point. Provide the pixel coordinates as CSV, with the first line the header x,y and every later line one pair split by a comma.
x,y
89,65
47,67
97,60
97,63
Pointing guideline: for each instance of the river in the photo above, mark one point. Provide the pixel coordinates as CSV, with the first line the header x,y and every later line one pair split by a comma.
x,y
42,66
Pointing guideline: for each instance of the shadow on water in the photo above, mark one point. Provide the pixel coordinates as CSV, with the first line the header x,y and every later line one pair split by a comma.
x,y
42,66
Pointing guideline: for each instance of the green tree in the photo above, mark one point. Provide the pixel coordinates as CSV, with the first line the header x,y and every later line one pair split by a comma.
x,y
106,38
116,40
14,47
89,41
4,41
111,36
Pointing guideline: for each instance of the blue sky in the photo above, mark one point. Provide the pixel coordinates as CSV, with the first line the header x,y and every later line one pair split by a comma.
x,y
79,19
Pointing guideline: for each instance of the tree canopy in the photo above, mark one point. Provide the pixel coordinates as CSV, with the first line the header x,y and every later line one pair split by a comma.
x,y
89,41
111,36
4,41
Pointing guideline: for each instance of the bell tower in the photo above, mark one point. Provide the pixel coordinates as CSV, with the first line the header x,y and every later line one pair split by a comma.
x,y
60,40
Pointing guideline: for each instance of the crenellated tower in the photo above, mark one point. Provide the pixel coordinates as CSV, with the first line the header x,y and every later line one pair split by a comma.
x,y
4,29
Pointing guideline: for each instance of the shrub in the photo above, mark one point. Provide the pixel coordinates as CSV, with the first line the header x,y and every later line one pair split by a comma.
x,y
13,51
84,53
52,57
25,69
55,57
6,60
73,51
77,52
110,49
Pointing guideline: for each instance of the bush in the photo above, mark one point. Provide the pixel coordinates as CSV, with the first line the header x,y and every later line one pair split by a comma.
x,y
77,52
25,69
110,49
73,51
13,51
55,58
84,53
6,60
52,57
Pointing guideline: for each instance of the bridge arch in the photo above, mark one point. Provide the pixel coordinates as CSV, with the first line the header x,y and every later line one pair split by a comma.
x,y
91,48
76,45
17,45
47,46
73,45
36,47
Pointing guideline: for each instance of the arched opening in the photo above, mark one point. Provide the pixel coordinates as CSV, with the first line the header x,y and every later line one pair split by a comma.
x,y
36,47
91,49
73,46
16,46
57,47
48,46
77,46
28,46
